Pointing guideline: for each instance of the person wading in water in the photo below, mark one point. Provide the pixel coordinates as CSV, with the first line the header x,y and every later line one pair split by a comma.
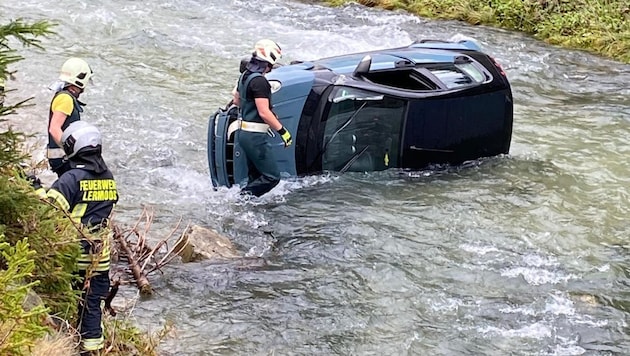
x,y
259,123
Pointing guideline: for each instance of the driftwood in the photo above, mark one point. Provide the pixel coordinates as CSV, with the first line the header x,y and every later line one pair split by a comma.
x,y
189,243
141,279
142,259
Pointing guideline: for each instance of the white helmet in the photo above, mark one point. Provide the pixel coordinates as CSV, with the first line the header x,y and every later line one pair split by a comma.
x,y
268,51
79,135
76,71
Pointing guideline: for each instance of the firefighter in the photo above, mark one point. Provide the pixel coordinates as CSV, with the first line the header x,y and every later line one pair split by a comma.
x,y
259,123
65,108
87,191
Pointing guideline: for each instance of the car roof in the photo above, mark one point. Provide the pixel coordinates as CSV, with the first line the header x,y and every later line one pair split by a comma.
x,y
424,52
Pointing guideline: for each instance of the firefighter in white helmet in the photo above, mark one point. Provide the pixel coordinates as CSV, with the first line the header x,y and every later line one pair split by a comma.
x,y
259,123
65,108
88,193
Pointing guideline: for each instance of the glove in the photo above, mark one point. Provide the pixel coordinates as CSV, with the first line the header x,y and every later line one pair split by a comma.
x,y
34,181
37,185
286,136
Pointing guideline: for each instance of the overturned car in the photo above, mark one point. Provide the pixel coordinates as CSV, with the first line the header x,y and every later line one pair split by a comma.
x,y
432,102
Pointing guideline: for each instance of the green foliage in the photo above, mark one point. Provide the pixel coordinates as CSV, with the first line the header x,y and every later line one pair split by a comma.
x,y
599,26
46,263
38,243
10,156
26,34
50,234
19,328
124,339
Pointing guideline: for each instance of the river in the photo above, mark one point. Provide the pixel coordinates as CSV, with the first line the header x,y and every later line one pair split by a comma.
x,y
523,254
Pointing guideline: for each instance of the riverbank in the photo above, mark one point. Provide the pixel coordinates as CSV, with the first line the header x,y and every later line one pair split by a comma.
x,y
597,26
39,249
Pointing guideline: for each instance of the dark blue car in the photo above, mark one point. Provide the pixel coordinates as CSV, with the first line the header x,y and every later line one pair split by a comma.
x,y
432,102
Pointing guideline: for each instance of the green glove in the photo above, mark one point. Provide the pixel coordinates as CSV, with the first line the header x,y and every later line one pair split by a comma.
x,y
286,136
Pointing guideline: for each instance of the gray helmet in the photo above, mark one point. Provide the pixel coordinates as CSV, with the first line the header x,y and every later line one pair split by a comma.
x,y
79,135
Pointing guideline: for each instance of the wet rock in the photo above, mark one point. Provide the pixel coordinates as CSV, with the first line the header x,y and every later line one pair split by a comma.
x,y
200,243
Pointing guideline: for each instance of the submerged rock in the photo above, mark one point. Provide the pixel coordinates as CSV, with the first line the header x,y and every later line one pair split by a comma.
x,y
200,243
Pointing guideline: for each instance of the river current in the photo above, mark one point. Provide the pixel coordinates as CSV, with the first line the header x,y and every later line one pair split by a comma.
x,y
523,254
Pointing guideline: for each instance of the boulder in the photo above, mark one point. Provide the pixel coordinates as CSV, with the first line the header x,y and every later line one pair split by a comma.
x,y
200,243
31,301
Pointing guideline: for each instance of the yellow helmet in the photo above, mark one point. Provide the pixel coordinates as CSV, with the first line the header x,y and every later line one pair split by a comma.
x,y
268,51
76,71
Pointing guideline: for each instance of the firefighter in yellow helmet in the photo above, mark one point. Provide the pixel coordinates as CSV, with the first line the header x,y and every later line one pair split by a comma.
x,y
65,108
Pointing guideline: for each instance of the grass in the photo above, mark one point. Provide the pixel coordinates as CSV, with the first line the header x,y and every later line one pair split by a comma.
x,y
598,26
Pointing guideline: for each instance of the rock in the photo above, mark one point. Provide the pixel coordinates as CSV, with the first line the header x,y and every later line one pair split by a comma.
x,y
31,301
202,243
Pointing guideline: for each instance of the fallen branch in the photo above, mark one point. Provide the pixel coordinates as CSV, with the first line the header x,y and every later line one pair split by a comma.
x,y
141,280
141,258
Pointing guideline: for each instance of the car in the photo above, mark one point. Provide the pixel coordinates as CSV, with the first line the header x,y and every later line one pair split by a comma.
x,y
432,102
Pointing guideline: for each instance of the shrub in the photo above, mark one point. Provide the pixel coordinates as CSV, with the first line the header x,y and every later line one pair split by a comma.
x,y
38,243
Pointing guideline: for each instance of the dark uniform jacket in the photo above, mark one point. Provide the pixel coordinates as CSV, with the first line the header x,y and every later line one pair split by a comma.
x,y
89,198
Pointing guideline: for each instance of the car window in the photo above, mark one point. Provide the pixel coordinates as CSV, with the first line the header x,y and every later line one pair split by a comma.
x,y
458,75
431,76
362,131
470,69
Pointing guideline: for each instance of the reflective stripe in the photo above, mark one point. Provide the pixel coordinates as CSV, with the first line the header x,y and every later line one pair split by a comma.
x,y
41,193
78,211
247,126
93,344
59,198
235,125
102,266
84,263
98,261
86,260
254,126
55,153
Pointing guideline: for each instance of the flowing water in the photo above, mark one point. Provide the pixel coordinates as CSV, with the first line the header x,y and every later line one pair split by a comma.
x,y
525,254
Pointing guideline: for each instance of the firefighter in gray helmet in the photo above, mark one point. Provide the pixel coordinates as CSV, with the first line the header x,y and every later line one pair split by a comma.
x,y
259,123
87,191
65,108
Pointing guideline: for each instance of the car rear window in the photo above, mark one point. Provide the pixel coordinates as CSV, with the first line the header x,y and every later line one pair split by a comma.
x,y
458,75
431,76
